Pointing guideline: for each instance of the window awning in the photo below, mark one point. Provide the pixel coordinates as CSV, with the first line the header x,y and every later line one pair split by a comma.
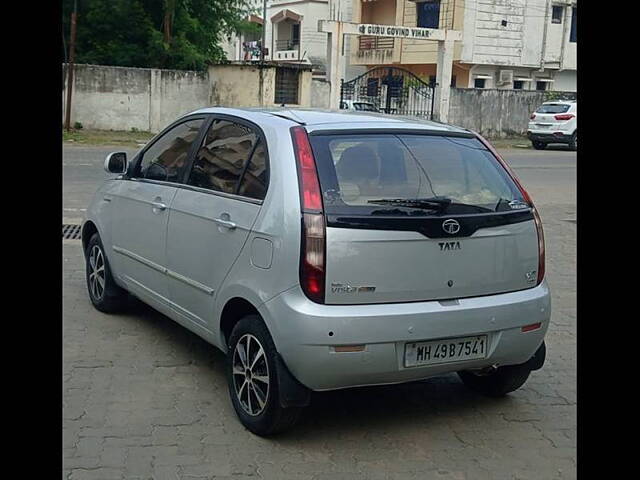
x,y
523,79
286,14
485,77
548,80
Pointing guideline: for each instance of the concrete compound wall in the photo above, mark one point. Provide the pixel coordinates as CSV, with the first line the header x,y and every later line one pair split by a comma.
x,y
119,98
238,85
496,113
122,98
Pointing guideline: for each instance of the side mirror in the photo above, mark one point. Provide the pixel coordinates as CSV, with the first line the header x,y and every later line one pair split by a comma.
x,y
116,162
157,171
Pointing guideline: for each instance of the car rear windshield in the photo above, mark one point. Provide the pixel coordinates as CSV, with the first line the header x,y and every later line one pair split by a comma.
x,y
553,108
411,174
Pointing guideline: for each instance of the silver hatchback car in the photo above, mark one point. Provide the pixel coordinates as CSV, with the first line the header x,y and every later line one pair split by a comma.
x,y
326,250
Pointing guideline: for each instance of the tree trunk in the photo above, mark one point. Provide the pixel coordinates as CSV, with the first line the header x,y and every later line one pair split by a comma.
x,y
167,26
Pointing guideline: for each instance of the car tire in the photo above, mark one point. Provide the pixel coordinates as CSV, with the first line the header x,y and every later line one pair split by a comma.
x,y
104,293
252,355
573,143
497,384
538,145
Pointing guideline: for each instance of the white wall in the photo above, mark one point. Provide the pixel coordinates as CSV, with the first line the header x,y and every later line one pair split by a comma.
x,y
485,40
522,41
565,81
528,40
122,98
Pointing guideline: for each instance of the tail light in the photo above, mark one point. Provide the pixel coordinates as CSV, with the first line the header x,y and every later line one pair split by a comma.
x,y
312,248
527,199
533,116
541,253
566,116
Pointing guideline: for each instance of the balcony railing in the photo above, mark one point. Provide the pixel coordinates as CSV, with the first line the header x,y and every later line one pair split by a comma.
x,y
286,45
375,43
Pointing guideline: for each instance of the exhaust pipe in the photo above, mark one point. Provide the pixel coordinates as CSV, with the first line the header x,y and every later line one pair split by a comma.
x,y
491,369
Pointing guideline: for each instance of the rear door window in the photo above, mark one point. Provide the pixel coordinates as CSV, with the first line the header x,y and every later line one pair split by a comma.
x,y
232,159
358,170
553,108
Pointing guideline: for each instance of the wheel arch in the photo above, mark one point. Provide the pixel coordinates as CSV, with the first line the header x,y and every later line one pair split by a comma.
x,y
292,392
88,229
234,310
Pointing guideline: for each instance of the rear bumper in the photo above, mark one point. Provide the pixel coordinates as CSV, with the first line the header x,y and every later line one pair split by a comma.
x,y
549,137
305,334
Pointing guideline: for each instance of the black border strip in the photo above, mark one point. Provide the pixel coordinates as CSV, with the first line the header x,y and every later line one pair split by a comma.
x,y
430,227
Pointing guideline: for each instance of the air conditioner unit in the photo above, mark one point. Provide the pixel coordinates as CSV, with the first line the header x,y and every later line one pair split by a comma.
x,y
506,77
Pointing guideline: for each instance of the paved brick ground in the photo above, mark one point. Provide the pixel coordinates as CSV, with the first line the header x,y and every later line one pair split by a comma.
x,y
144,398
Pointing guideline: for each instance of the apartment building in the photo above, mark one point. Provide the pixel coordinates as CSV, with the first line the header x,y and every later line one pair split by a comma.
x,y
292,33
246,46
513,44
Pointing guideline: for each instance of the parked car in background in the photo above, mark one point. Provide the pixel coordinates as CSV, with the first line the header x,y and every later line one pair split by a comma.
x,y
554,122
358,106
326,250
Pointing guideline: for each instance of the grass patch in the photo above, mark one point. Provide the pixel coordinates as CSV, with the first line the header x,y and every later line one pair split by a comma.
x,y
106,137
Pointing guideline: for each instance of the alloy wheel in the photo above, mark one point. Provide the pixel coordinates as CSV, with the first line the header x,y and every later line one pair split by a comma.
x,y
97,274
250,375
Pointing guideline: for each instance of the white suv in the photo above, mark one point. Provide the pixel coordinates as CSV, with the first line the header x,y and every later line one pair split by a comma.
x,y
554,122
325,250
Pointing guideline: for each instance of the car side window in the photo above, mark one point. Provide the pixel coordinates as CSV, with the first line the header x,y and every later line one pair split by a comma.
x,y
166,159
254,181
222,160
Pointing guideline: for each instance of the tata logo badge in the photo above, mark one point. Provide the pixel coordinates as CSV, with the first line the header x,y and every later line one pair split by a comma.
x,y
449,246
451,226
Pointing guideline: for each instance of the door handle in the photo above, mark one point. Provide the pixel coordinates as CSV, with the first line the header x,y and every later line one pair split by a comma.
x,y
225,223
158,205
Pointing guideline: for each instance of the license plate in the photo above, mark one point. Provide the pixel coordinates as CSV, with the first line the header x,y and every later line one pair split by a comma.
x,y
544,125
445,351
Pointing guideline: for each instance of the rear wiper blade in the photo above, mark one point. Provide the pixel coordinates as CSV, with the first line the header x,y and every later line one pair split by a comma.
x,y
432,203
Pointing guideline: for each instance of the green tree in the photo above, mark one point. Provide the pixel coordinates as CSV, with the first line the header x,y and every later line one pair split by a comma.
x,y
180,34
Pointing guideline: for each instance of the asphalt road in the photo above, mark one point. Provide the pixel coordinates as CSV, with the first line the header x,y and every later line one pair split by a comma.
x,y
549,174
145,398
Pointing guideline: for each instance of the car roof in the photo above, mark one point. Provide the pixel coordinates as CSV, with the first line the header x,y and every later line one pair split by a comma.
x,y
562,102
319,119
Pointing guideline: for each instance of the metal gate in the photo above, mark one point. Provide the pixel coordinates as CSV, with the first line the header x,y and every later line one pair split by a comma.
x,y
390,90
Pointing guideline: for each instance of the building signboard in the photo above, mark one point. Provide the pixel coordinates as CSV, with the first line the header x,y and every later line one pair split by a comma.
x,y
397,31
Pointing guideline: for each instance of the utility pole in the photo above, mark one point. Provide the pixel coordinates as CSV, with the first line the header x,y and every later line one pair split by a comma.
x,y
544,36
264,30
262,47
70,66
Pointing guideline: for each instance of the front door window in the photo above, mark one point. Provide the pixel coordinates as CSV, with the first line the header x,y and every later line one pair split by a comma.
x,y
166,159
